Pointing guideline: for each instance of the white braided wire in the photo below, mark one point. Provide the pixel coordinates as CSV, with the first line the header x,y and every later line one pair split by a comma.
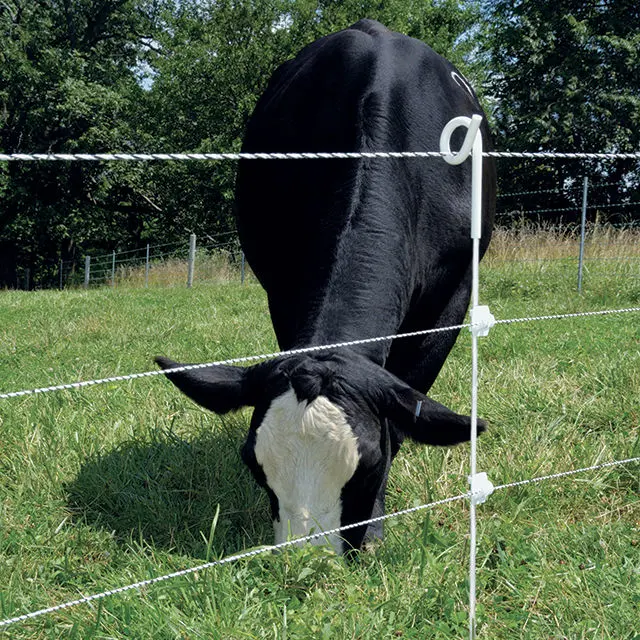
x,y
541,155
563,474
297,541
231,361
291,352
228,559
562,316
351,155
532,155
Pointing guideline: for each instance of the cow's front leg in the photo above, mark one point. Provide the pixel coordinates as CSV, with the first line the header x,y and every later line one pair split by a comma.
x,y
392,439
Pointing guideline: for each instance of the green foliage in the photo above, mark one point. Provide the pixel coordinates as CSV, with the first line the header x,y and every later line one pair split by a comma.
x,y
571,74
213,61
151,75
66,84
169,75
566,77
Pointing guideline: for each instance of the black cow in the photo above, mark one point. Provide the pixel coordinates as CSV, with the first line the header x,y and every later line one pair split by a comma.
x,y
349,249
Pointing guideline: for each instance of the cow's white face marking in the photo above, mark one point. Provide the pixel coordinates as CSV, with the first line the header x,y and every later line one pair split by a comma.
x,y
462,82
308,452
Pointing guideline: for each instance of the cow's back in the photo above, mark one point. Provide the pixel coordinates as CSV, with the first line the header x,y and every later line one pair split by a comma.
x,y
343,247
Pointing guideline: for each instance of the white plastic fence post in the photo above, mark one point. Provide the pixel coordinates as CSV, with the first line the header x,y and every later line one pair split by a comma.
x,y
192,259
146,269
583,227
113,269
87,271
481,321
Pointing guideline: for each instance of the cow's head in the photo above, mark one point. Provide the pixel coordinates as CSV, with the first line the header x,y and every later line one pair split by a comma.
x,y
319,440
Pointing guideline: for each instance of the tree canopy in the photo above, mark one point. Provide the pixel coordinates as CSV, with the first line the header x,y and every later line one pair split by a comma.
x,y
184,75
565,76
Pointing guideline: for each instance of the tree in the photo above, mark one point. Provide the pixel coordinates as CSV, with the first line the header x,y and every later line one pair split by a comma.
x,y
153,75
67,83
566,77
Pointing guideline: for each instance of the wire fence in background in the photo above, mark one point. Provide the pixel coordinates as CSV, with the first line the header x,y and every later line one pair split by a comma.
x,y
217,258
613,248
593,232
598,232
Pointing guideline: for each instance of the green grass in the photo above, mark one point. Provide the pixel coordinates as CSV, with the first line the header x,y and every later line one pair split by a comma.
x,y
109,485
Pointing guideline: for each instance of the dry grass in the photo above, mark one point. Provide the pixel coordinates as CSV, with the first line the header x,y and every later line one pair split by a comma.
x,y
523,243
218,267
528,242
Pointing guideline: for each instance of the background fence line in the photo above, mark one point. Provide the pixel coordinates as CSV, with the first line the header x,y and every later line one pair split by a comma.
x,y
109,269
529,212
220,256
137,266
556,190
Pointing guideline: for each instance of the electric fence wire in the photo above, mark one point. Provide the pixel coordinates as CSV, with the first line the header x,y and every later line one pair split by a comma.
x,y
291,352
137,586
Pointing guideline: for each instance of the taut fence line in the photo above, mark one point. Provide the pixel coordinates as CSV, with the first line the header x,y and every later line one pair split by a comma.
x,y
294,352
481,323
133,157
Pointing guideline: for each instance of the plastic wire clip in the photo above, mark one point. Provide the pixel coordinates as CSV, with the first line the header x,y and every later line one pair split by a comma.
x,y
481,488
481,320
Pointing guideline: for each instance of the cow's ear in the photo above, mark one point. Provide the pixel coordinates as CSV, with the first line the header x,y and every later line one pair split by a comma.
x,y
423,419
219,388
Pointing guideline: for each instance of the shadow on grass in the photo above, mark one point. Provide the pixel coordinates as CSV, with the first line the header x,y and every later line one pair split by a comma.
x,y
166,493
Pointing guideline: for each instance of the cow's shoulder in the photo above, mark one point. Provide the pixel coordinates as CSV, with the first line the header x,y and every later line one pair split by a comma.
x,y
340,62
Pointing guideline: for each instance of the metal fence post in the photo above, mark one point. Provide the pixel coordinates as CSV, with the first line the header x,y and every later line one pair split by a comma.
x,y
242,267
113,270
27,275
146,269
87,271
192,258
583,226
61,264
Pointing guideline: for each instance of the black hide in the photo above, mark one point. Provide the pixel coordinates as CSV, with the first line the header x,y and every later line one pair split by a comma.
x,y
352,249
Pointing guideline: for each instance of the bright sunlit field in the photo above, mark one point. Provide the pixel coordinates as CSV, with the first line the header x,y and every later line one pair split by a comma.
x,y
112,484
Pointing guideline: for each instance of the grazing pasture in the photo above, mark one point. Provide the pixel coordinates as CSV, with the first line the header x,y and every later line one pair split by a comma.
x,y
105,486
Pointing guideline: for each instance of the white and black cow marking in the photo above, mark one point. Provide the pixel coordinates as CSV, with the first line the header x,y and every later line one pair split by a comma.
x,y
308,453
